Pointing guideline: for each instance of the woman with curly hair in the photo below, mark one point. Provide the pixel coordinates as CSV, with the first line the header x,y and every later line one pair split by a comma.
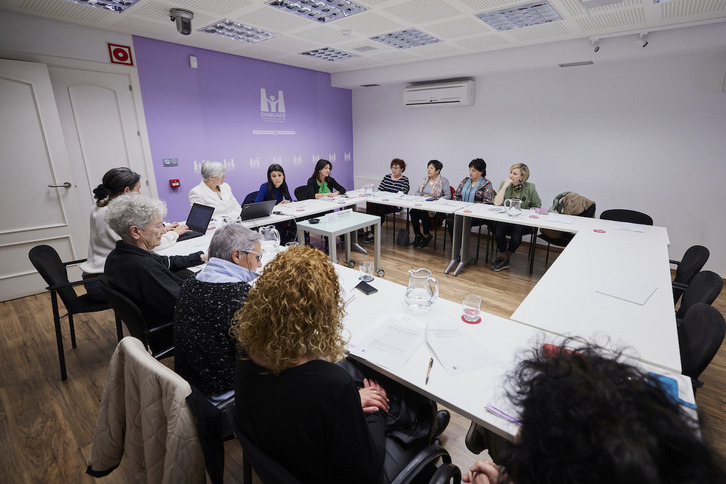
x,y
299,407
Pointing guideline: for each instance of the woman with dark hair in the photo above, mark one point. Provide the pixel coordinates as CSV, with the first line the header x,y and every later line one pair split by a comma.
x,y
321,184
393,183
115,182
588,418
276,187
475,188
516,187
432,186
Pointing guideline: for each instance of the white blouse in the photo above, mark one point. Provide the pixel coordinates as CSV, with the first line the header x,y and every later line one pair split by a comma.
x,y
227,205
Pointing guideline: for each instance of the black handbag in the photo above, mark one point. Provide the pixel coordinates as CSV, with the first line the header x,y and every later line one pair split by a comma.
x,y
403,238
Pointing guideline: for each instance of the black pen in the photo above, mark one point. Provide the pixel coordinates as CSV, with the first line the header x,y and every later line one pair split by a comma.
x,y
428,372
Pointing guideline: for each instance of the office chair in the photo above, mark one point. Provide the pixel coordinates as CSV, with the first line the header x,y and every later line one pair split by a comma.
x,y
250,198
301,193
699,338
159,340
692,262
704,288
625,215
422,466
47,262
440,219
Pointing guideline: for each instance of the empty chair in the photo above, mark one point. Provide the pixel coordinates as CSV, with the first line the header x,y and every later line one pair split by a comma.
x,y
625,215
250,198
568,203
48,263
301,193
692,262
699,338
704,288
159,340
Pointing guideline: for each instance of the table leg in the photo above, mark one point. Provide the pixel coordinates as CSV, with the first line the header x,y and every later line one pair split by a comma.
x,y
347,247
466,259
455,244
377,246
356,246
300,235
332,249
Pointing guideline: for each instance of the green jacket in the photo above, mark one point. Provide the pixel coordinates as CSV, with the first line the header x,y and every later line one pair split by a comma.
x,y
528,194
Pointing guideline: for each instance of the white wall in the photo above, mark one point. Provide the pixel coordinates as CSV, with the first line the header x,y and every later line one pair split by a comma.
x,y
648,135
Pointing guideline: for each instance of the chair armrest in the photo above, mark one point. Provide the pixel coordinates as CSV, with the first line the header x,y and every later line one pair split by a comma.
x,y
674,262
161,327
423,459
70,263
55,287
445,473
679,285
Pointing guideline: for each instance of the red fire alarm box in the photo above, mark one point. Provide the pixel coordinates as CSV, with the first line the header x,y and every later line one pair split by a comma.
x,y
174,183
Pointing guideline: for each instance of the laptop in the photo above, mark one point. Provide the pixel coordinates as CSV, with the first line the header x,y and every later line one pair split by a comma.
x,y
257,210
197,221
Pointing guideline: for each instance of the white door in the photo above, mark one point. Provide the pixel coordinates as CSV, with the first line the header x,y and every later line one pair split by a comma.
x,y
36,206
101,128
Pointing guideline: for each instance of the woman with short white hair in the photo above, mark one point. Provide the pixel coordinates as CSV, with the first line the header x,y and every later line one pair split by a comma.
x,y
133,269
204,352
213,192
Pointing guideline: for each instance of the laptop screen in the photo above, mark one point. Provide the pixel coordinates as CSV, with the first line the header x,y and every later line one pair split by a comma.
x,y
199,217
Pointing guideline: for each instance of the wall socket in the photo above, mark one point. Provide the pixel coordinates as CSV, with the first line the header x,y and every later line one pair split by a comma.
x,y
170,162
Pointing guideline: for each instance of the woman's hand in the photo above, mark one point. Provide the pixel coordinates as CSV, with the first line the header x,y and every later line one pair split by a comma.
x,y
204,257
334,194
482,472
179,228
284,202
373,397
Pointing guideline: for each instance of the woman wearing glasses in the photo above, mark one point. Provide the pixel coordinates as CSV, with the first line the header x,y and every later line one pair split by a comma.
x,y
204,353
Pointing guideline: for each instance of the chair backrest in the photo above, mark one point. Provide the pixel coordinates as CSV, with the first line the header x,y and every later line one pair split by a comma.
x,y
589,212
625,215
250,198
692,262
268,469
48,263
127,310
301,193
704,288
699,337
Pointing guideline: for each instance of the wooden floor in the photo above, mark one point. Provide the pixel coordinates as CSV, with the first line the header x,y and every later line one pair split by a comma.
x,y
46,426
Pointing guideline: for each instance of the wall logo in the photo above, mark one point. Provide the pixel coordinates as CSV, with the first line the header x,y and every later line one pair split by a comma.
x,y
228,164
346,156
297,160
331,156
254,162
316,157
272,108
277,159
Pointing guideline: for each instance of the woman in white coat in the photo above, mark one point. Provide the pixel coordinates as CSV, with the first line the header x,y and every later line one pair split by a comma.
x,y
213,192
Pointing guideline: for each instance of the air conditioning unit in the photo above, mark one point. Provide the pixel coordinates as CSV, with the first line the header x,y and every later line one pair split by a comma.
x,y
455,93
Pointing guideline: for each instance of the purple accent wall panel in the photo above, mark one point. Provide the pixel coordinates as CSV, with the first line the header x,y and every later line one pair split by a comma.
x,y
245,113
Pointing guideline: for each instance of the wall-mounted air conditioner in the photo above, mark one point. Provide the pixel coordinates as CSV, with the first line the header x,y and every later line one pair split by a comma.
x,y
453,93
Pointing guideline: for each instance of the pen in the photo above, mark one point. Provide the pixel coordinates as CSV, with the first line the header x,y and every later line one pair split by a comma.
x,y
428,371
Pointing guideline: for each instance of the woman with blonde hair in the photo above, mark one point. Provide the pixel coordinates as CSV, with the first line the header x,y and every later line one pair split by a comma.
x,y
299,407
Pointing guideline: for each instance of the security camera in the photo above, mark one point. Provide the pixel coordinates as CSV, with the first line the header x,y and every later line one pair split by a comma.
x,y
183,19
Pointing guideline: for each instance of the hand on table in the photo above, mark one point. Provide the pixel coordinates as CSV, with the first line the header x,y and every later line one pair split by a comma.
x,y
179,228
373,397
284,202
204,257
482,472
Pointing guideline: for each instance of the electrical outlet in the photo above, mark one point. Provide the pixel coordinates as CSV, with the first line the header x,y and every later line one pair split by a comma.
x,y
170,162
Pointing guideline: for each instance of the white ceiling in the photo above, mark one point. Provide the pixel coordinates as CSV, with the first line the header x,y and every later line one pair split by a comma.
x,y
451,21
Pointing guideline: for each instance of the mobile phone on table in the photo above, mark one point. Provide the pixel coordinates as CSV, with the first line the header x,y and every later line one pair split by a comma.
x,y
366,288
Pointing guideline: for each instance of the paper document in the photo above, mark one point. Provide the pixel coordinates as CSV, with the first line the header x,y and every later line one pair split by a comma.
x,y
558,217
391,344
630,290
629,227
456,351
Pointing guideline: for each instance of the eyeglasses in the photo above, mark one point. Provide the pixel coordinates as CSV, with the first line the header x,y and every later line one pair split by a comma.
x,y
258,255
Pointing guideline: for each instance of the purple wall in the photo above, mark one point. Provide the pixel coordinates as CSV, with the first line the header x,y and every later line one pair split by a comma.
x,y
216,113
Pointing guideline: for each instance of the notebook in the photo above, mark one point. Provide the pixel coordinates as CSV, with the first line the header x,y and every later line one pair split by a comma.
x,y
197,221
257,210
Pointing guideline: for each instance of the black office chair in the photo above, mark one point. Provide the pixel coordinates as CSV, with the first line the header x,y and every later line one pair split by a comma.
x,y
159,340
562,239
692,262
301,193
704,288
422,466
625,215
250,198
47,262
699,338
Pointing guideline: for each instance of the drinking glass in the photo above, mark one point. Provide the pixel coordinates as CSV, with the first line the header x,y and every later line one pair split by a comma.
x,y
472,308
366,271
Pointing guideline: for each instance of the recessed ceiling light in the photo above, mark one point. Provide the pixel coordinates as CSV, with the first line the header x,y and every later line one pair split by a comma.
x,y
319,10
237,31
329,54
405,39
520,16
112,5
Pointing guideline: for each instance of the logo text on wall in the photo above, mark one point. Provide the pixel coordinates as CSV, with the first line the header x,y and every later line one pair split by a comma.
x,y
272,108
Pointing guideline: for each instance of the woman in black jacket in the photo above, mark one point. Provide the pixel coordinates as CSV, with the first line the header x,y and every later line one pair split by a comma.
x,y
321,184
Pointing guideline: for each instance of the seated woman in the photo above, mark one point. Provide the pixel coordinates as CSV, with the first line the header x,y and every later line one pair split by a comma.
x,y
587,417
276,189
474,189
213,192
516,186
321,184
433,186
117,181
301,409
134,270
393,183
204,352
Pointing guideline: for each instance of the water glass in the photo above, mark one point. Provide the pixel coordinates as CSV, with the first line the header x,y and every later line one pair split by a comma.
x,y
366,271
292,244
472,308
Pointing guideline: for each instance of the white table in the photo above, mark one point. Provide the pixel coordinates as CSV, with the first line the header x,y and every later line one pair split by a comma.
x,y
345,225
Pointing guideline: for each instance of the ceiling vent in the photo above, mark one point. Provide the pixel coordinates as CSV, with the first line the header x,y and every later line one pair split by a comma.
x,y
454,93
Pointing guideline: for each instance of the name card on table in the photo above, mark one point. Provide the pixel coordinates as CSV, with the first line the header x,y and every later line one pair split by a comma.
x,y
340,215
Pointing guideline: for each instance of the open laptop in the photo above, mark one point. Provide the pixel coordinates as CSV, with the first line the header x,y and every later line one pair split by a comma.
x,y
197,221
257,210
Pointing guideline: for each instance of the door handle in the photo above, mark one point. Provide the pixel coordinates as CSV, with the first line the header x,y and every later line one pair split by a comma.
x,y
65,185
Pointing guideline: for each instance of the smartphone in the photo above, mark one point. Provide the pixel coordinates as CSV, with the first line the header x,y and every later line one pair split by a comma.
x,y
431,199
366,288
